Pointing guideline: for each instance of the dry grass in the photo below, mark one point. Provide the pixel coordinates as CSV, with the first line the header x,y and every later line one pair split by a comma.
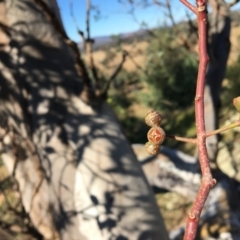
x,y
138,49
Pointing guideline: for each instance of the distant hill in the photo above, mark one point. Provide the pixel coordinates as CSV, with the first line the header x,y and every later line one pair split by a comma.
x,y
102,42
105,41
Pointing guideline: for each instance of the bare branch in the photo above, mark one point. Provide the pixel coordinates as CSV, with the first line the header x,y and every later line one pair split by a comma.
x,y
88,5
136,64
115,73
170,12
89,55
230,4
76,23
184,40
88,41
189,6
159,3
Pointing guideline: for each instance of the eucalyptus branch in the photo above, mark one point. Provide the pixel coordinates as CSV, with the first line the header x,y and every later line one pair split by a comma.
x,y
208,134
156,134
207,181
182,139
223,129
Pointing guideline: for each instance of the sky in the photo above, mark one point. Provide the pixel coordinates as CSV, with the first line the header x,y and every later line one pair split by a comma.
x,y
114,16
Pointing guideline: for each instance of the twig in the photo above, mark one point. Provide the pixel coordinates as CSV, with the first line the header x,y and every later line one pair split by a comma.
x,y
230,4
189,5
207,181
89,55
208,134
184,41
159,3
136,64
170,15
76,24
89,43
223,129
88,4
182,139
115,73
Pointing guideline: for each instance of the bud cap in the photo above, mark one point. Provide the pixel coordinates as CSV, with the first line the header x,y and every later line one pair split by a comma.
x,y
236,103
153,118
152,149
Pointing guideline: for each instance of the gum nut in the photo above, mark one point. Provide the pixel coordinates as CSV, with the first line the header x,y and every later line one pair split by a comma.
x,y
152,149
153,119
236,103
156,135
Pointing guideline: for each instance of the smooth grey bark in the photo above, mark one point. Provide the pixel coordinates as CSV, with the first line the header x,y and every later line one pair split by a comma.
x,y
77,174
218,49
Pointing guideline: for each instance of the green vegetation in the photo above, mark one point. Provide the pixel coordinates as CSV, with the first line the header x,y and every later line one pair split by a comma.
x,y
165,83
171,73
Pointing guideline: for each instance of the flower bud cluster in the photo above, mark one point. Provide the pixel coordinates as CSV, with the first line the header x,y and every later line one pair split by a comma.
x,y
156,134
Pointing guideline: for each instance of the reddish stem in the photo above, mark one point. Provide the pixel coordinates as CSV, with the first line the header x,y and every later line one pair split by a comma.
x,y
189,5
207,181
182,139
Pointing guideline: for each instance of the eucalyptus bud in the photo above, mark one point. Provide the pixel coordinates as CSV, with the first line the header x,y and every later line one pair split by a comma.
x,y
236,103
152,149
153,119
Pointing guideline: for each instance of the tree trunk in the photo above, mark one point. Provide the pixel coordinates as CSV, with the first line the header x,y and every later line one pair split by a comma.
x,y
219,48
77,174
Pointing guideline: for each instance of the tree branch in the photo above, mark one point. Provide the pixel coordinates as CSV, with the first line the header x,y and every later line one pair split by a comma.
x,y
207,181
182,139
230,4
76,24
114,75
159,3
189,5
88,9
